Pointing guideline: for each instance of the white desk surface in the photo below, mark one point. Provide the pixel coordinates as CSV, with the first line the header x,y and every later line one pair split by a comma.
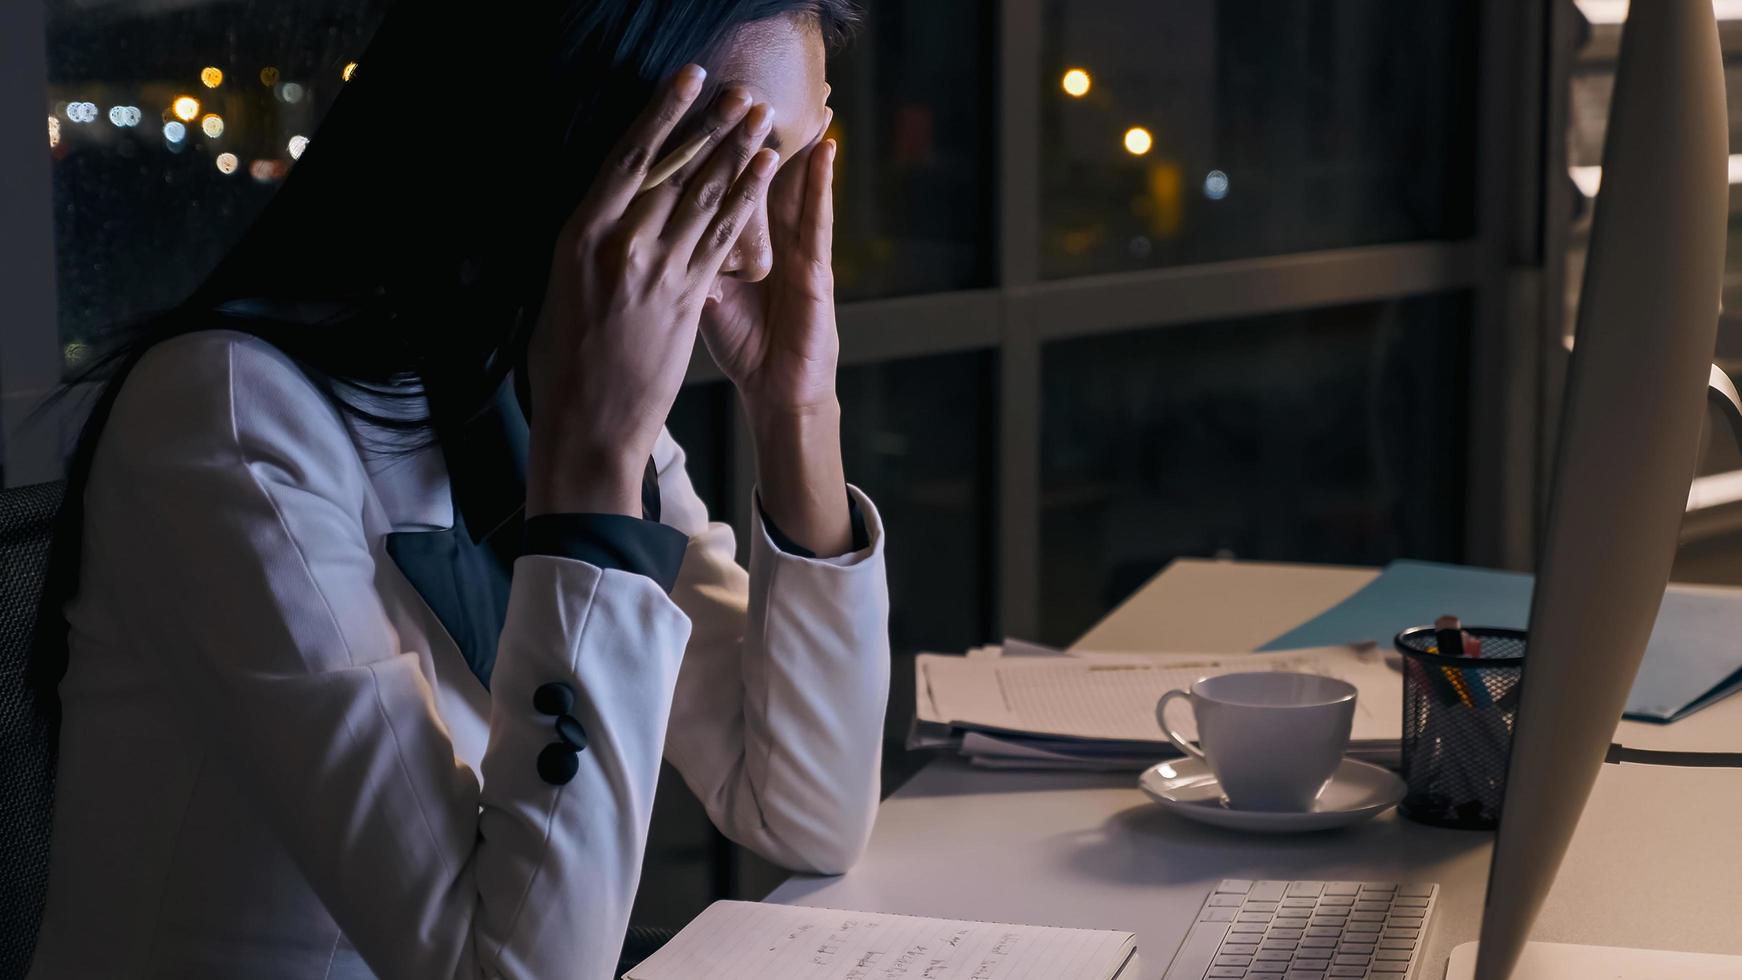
x,y
1657,861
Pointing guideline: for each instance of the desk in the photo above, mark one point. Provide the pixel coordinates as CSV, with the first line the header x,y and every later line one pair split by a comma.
x,y
1089,850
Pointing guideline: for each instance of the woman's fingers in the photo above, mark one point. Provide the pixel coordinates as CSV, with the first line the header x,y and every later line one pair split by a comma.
x,y
740,204
627,166
817,230
707,190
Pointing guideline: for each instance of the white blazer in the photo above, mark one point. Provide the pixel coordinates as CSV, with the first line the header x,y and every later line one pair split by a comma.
x,y
274,762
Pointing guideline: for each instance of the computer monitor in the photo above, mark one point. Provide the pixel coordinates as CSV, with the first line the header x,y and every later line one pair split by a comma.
x,y
1629,438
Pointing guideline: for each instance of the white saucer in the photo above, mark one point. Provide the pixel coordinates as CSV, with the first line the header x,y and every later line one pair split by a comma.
x,y
1357,791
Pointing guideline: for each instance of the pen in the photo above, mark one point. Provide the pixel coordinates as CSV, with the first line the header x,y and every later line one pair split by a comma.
x,y
1449,635
672,163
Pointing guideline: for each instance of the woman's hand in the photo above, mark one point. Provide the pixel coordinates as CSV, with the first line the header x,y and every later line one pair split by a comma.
x,y
776,341
627,284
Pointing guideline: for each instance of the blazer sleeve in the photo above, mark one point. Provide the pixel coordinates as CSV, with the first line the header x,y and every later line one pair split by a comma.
x,y
256,586
777,721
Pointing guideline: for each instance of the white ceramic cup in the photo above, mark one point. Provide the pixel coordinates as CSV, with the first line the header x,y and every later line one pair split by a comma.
x,y
1272,738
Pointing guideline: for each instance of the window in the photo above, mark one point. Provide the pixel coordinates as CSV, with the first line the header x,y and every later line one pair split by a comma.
x,y
1325,434
1195,132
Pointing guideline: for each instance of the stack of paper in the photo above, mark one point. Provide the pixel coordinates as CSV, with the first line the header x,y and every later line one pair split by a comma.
x,y
1023,706
751,941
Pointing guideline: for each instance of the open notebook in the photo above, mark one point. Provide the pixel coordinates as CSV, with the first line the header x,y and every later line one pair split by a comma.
x,y
751,941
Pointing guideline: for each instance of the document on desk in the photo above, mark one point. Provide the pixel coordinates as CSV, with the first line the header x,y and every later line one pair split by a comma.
x,y
753,941
1112,697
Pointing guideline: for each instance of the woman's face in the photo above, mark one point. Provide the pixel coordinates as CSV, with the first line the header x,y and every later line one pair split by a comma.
x,y
780,63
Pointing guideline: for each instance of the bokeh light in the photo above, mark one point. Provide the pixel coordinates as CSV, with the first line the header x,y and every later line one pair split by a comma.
x,y
269,76
212,125
226,163
81,112
349,71
296,146
290,92
211,77
1077,83
1138,141
174,131
53,132
1215,185
186,108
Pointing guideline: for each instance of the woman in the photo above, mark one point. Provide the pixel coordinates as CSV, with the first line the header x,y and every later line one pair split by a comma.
x,y
368,674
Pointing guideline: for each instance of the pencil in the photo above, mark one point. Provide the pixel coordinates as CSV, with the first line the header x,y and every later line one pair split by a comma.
x,y
663,170
1449,638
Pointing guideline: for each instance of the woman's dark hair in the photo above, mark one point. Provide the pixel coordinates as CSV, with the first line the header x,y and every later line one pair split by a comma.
x,y
409,247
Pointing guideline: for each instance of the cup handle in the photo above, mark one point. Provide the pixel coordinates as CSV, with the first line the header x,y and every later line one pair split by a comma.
x,y
1178,740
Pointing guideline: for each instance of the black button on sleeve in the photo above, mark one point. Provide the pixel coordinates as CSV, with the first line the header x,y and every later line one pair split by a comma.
x,y
570,731
557,764
554,698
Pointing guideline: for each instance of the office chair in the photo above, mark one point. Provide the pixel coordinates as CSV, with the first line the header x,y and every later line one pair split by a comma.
x,y
26,724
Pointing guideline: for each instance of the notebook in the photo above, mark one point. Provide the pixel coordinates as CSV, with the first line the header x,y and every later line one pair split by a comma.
x,y
1694,657
753,941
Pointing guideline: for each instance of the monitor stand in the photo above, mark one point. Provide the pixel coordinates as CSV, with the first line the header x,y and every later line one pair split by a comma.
x,y
1560,961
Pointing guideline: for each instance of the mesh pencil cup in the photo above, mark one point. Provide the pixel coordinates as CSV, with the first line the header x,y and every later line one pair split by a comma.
x,y
1458,716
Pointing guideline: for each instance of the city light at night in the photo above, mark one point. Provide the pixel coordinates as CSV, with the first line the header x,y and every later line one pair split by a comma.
x,y
211,77
296,146
1138,141
174,131
226,163
1077,83
349,71
269,76
186,108
212,126
53,132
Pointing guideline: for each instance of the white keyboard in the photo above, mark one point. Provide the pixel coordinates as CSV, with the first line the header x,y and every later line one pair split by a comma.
x,y
1316,930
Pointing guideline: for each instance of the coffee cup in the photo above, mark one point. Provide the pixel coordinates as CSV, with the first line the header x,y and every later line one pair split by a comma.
x,y
1272,738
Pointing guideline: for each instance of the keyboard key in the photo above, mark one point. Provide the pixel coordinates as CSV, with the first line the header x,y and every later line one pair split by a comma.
x,y
1342,901
1344,959
1265,969
1394,954
1246,916
1331,931
1239,961
1342,888
1218,972
1362,916
1225,901
1306,889
1218,915
1319,942
1346,971
1295,973
1234,886
1409,903
1356,949
1402,932
1383,968
1295,902
1268,955
1416,891
1252,906
1365,906
1280,933
1408,913
1379,886
1257,927
1267,891
1391,942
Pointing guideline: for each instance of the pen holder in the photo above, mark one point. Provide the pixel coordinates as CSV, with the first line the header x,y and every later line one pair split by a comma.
x,y
1458,716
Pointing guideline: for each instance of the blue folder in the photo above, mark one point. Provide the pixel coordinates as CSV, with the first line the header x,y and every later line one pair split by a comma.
x,y
1694,657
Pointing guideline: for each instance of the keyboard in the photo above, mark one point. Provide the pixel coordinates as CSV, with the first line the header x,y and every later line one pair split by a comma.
x,y
1307,930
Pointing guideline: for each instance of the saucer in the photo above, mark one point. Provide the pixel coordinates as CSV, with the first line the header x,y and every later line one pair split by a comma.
x,y
1357,791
